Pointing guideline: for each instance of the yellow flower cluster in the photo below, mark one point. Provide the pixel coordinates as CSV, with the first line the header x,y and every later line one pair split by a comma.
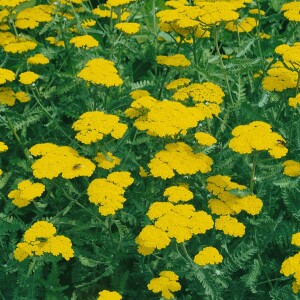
x,y
108,192
31,17
9,97
256,11
178,193
177,60
205,139
258,136
108,13
291,11
100,71
166,284
40,239
279,78
6,75
230,226
94,125
26,193
179,221
179,157
84,41
38,59
228,203
107,295
291,265
138,94
129,28
54,41
28,77
117,3
11,4
18,45
58,160
3,148
107,160
290,55
163,118
208,256
242,25
291,168
177,83
294,102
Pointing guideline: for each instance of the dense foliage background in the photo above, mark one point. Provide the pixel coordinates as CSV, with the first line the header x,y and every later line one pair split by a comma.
x,y
222,46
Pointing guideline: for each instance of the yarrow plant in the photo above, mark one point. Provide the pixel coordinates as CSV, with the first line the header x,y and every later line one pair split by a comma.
x,y
149,149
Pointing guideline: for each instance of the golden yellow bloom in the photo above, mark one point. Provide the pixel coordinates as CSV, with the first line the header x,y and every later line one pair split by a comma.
x,y
243,25
6,75
178,193
107,295
256,11
291,168
205,139
208,256
58,160
294,102
108,192
143,172
88,23
19,45
165,284
38,59
177,60
39,239
230,226
53,41
257,136
295,287
179,157
129,28
107,13
101,71
116,3
279,78
8,96
138,94
28,77
290,55
296,239
94,125
107,161
3,147
11,4
291,11
84,41
26,193
291,266
173,85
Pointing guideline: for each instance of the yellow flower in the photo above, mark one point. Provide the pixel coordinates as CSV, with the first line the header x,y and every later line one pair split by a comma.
x,y
291,11
93,126
143,172
129,28
19,45
38,59
107,295
257,136
28,77
205,139
8,96
291,168
290,55
166,283
107,161
296,239
178,193
11,4
244,25
26,193
179,157
256,11
108,192
107,13
88,23
53,41
291,266
100,71
230,226
208,256
6,75
177,60
84,41
295,287
39,239
116,3
58,160
138,94
177,83
3,147
294,102
22,97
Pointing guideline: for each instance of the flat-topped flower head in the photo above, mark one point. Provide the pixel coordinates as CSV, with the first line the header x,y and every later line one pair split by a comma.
x,y
244,25
107,160
290,55
257,136
58,160
205,139
9,97
11,3
100,71
177,60
38,59
294,102
291,11
173,85
179,157
108,295
178,193
3,147
128,28
208,256
26,193
230,226
291,168
166,284
40,239
84,42
93,126
117,3
6,75
28,77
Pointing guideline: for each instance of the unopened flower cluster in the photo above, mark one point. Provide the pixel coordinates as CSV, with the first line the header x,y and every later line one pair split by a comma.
x,y
41,239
